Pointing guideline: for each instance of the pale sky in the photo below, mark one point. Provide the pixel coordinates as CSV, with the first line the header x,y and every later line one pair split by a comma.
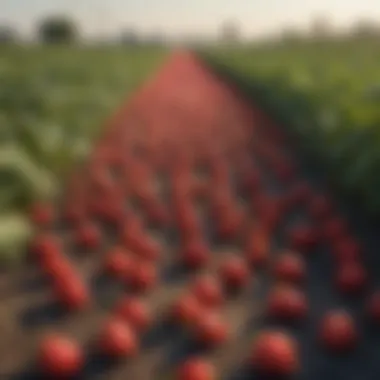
x,y
256,17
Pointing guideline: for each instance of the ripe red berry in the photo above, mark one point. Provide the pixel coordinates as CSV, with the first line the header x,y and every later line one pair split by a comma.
x,y
300,193
303,237
287,303
71,292
195,254
346,249
144,277
234,273
45,246
88,236
147,248
117,339
211,330
42,214
373,307
290,267
207,289
196,369
257,249
60,357
134,311
334,229
338,332
320,207
351,278
185,310
275,353
119,263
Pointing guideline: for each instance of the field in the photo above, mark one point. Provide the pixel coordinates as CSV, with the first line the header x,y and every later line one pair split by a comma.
x,y
328,94
193,244
53,103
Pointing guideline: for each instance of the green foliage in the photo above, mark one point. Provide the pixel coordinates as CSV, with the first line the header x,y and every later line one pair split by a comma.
x,y
329,93
53,103
57,29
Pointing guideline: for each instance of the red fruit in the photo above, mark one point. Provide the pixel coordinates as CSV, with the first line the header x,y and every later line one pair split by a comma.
x,y
119,263
143,277
287,303
275,353
300,193
186,310
290,267
132,231
135,312
351,278
210,329
334,229
229,224
60,357
320,207
234,273
269,211
88,236
46,246
284,169
195,254
157,214
257,250
42,214
208,291
147,248
188,222
117,339
196,369
373,307
57,267
71,292
303,237
337,331
346,250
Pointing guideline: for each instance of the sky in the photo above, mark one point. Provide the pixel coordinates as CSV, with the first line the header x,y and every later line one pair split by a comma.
x,y
197,17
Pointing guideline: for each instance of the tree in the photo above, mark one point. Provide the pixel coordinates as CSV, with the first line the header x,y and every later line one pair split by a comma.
x,y
129,37
365,29
230,31
7,35
321,27
57,29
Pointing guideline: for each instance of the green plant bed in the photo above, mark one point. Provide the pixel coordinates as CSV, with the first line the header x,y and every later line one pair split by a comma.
x,y
54,101
319,101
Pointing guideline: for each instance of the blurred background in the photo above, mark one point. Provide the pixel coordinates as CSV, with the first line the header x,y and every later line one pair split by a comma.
x,y
66,65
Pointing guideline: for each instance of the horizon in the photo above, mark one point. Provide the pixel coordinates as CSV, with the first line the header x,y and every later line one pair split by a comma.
x,y
198,17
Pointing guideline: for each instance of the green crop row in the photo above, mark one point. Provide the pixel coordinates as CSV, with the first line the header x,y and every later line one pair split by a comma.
x,y
53,103
329,94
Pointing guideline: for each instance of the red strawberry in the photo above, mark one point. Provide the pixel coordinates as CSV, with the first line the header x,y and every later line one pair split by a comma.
x,y
234,273
60,357
337,331
275,353
208,291
196,369
134,311
287,303
117,339
42,214
290,267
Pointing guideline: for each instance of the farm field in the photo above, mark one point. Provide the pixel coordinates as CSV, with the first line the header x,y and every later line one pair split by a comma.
x,y
328,94
193,244
53,103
